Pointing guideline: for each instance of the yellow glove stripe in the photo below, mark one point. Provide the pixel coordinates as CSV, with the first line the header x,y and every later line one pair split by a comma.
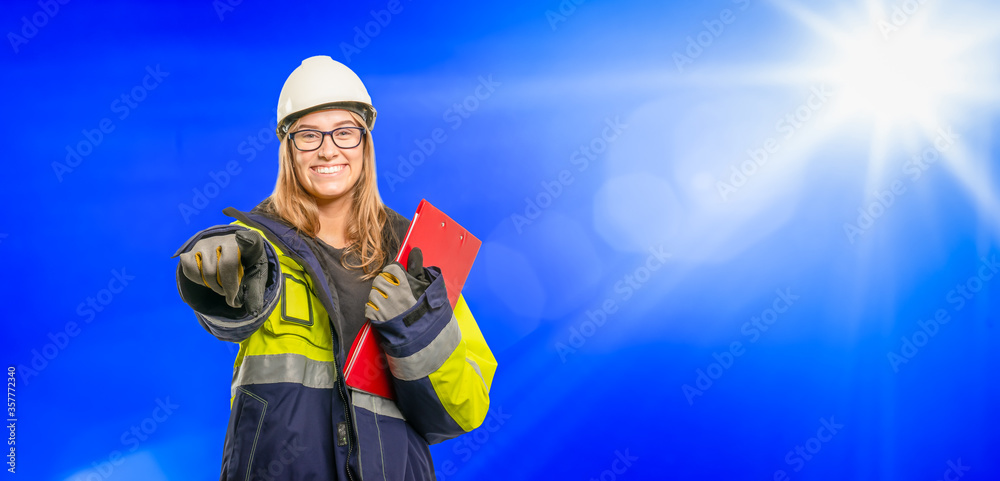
x,y
389,277
384,295
218,262
197,259
373,306
239,269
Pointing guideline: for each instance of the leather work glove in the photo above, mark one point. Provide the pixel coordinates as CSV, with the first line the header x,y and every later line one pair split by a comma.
x,y
395,291
232,265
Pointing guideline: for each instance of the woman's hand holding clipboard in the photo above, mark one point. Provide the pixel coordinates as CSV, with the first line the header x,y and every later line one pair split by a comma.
x,y
442,243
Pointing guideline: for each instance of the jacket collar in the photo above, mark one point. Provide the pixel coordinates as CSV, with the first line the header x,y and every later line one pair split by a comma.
x,y
293,245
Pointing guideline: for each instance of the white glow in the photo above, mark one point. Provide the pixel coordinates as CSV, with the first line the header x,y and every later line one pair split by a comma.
x,y
896,85
901,76
139,465
895,80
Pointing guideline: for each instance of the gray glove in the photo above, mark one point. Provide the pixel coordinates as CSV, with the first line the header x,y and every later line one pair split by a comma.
x,y
395,291
232,265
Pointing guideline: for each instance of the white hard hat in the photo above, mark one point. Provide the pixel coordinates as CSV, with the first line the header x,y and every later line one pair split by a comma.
x,y
322,83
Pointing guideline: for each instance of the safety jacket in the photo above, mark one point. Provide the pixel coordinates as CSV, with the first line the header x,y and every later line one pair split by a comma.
x,y
292,416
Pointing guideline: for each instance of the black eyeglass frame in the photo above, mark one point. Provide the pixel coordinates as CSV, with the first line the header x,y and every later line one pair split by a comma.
x,y
323,135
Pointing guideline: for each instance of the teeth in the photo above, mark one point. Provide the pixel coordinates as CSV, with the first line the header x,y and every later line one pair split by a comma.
x,y
329,170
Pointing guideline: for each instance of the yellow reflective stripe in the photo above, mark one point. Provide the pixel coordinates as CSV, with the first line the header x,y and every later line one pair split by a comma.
x,y
288,367
463,382
282,335
461,390
477,350
278,337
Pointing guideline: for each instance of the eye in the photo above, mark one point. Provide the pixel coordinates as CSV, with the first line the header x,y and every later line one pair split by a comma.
x,y
309,136
344,132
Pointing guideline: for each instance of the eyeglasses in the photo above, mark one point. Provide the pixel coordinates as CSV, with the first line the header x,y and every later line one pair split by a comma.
x,y
309,140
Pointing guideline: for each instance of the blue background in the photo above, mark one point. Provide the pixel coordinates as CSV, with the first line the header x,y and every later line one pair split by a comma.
x,y
576,388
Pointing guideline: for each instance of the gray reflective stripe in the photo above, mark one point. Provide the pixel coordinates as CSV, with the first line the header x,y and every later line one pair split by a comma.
x,y
376,404
272,368
264,313
427,360
475,366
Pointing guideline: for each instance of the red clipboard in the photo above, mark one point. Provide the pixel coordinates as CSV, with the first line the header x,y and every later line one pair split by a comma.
x,y
444,243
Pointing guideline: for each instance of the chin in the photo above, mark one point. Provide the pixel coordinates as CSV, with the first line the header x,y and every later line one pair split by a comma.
x,y
328,195
331,191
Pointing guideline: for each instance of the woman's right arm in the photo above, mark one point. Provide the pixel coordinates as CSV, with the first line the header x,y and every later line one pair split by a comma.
x,y
229,276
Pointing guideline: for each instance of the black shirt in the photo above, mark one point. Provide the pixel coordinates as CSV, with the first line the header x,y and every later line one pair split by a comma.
x,y
351,290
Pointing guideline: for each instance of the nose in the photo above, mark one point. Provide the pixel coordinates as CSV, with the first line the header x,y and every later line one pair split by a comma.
x,y
329,149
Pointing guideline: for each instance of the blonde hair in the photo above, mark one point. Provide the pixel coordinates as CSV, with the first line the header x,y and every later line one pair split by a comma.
x,y
366,220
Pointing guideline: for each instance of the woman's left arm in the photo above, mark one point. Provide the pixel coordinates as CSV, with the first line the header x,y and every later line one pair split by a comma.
x,y
441,364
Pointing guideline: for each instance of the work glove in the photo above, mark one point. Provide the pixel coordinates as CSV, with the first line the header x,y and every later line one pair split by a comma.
x,y
395,291
232,265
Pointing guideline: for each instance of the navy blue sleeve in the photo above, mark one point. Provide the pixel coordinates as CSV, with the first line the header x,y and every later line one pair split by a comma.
x,y
439,389
218,318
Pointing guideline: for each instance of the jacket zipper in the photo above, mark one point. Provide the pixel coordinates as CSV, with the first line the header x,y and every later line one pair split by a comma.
x,y
350,431
340,377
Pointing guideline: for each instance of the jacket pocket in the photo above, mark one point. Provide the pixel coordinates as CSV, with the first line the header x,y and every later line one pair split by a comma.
x,y
299,312
385,446
245,426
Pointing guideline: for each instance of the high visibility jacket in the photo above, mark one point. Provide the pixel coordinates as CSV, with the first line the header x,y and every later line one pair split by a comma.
x,y
292,416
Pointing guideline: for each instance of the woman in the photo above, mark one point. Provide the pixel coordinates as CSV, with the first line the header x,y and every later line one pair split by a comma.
x,y
293,281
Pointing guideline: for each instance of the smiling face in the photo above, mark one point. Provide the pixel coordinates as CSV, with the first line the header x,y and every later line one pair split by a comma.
x,y
329,173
